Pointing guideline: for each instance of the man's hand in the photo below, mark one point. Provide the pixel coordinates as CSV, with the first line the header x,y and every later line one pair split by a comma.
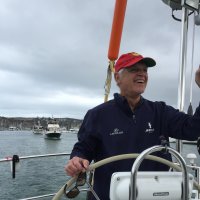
x,y
76,165
197,76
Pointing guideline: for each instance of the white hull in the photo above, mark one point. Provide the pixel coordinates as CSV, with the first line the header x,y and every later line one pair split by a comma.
x,y
52,135
38,131
72,130
53,130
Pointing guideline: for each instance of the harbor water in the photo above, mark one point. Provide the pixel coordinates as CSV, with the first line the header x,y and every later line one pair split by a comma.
x,y
39,176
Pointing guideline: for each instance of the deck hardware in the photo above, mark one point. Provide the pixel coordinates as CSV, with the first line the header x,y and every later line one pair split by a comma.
x,y
15,161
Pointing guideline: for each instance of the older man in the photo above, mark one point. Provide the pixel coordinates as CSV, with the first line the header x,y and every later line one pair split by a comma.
x,y
128,124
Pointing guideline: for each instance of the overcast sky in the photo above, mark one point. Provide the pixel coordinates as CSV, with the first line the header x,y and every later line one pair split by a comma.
x,y
53,54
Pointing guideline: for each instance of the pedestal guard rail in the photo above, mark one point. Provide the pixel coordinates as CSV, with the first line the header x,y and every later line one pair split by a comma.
x,y
143,155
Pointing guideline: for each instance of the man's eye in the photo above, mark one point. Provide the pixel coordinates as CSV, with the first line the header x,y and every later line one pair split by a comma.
x,y
133,70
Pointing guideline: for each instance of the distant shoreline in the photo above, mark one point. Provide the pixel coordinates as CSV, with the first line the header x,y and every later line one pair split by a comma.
x,y
23,123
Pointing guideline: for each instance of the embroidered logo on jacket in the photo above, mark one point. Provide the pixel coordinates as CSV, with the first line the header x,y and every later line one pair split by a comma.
x,y
116,131
149,129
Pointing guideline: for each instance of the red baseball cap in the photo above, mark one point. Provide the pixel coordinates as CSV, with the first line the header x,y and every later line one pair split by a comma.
x,y
129,59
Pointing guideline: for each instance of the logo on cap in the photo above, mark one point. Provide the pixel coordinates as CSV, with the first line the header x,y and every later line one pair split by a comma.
x,y
135,54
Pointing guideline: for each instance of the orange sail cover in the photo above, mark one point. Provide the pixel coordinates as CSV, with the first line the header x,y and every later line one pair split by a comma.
x,y
117,27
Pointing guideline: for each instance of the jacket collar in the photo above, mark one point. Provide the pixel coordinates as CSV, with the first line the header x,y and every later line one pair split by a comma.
x,y
122,102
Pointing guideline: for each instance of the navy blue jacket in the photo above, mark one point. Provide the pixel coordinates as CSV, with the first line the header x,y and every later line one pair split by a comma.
x,y
112,128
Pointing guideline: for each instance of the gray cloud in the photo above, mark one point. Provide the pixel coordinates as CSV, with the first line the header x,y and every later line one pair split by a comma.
x,y
53,54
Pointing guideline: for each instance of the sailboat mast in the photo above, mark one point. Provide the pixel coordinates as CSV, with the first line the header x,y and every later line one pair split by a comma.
x,y
182,67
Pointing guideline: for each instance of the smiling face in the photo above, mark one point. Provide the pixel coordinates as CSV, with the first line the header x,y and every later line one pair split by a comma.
x,y
132,81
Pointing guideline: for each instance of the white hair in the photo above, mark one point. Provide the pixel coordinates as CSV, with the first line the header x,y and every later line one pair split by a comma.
x,y
120,71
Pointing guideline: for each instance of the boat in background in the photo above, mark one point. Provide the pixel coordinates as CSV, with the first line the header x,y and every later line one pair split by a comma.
x,y
63,130
13,128
53,130
73,130
38,129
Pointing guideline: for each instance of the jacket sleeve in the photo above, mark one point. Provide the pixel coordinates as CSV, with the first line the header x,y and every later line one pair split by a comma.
x,y
87,137
181,125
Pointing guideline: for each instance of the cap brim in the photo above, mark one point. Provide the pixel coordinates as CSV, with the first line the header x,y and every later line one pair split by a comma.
x,y
148,61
